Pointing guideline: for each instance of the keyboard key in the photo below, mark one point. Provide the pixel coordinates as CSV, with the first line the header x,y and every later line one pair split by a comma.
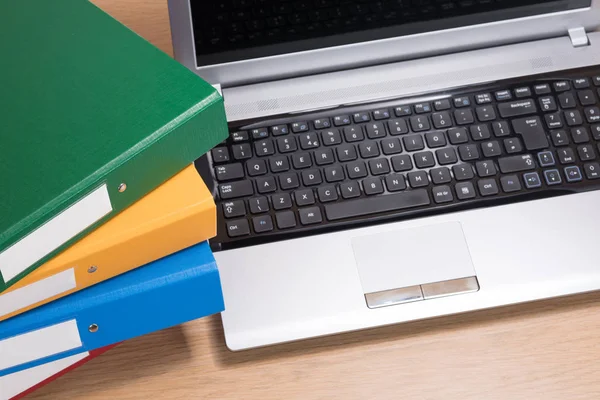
x,y
424,159
516,164
567,100
334,174
532,132
236,189
522,92
280,130
372,186
513,145
281,201
361,117
220,155
580,135
232,209
468,152
487,187
446,156
380,166
346,152
266,184
465,191
413,143
581,83
322,123
543,88
395,183
279,164
463,101
562,86
418,179
510,183
379,204
391,146
301,160
241,136
304,197
596,131
420,123
310,216
441,105
259,133
331,137
592,114
573,174
485,168
356,170
376,131
229,172
553,121
592,170
298,127
342,120
289,181
403,111
442,194
596,80
483,98
501,128
552,177
464,117
324,157
586,98
350,190
262,224
309,141
463,172
441,120
402,163
398,127
566,155
435,139
241,151
353,134
238,228
548,104
546,159
286,220
491,149
440,175
503,95
485,113
368,150
573,118
458,136
287,144
264,148
378,115
559,138
258,205
586,153
327,194
311,177
422,108
532,180
517,108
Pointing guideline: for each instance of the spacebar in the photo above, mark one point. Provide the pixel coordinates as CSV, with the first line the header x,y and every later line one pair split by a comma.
x,y
374,205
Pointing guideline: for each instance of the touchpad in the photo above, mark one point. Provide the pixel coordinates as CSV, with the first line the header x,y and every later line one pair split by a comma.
x,y
414,259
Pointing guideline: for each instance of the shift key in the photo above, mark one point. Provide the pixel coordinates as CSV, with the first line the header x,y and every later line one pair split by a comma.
x,y
236,189
516,164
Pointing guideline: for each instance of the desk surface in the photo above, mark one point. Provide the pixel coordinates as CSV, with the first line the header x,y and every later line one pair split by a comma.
x,y
545,350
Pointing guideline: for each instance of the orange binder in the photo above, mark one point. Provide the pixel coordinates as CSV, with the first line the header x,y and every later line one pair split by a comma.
x,y
178,214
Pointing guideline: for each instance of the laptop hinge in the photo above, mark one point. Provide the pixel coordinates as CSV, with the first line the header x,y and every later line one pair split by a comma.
x,y
579,37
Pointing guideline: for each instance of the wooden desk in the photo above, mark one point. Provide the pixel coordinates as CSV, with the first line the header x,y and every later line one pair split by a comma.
x,y
545,350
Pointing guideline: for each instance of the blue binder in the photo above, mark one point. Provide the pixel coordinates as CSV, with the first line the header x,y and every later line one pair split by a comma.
x,y
164,293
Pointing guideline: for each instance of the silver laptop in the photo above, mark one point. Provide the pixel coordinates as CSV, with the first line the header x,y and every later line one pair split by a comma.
x,y
391,161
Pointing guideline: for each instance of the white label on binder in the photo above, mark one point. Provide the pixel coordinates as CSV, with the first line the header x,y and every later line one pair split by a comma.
x,y
38,344
54,233
18,382
37,291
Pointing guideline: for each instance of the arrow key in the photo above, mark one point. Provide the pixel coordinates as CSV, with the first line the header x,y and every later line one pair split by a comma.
x,y
233,209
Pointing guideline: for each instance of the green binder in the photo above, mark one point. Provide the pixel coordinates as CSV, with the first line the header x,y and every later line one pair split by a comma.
x,y
92,117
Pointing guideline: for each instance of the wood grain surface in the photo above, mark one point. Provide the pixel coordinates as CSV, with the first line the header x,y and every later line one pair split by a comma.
x,y
544,350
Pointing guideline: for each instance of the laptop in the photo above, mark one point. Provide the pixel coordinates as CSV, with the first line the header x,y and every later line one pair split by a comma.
x,y
397,160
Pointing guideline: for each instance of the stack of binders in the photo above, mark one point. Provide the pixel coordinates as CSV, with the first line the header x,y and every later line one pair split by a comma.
x,y
104,220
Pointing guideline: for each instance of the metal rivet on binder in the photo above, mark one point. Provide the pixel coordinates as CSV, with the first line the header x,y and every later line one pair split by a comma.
x,y
92,269
122,187
93,328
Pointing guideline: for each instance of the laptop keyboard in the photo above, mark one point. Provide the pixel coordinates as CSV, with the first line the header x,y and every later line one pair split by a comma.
x,y
474,148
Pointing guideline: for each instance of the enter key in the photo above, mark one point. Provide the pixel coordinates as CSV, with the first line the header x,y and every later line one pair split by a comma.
x,y
532,131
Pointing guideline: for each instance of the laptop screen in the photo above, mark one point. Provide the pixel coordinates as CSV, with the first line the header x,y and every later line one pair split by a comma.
x,y
233,30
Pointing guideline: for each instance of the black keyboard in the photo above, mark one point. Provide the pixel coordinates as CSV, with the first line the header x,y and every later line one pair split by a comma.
x,y
511,141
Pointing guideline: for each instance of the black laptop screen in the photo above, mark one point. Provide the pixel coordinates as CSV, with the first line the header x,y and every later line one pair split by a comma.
x,y
232,30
